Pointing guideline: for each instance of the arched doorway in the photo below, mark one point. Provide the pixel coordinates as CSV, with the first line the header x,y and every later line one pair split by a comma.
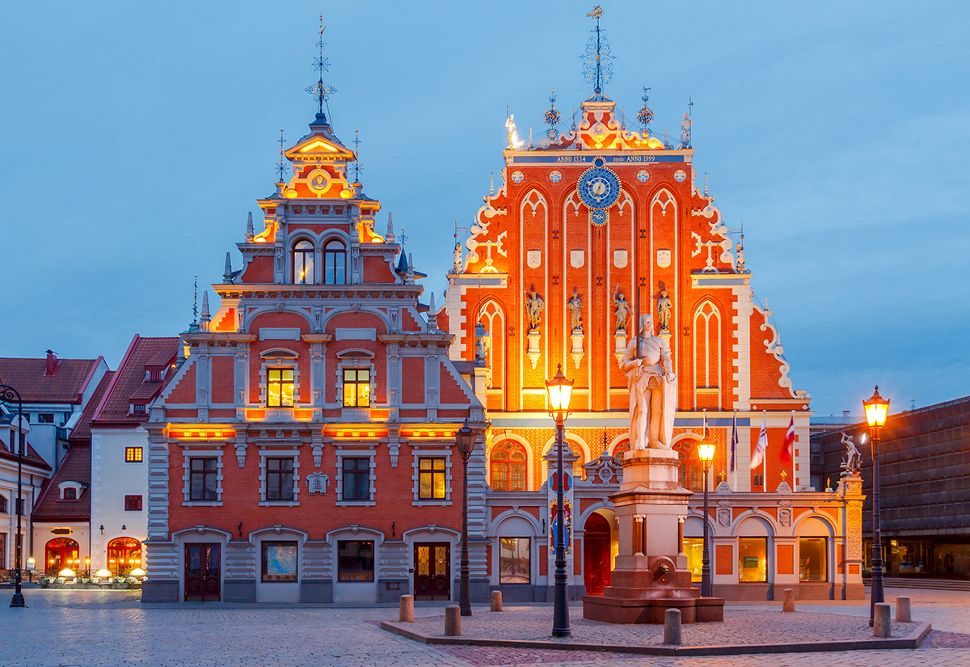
x,y
61,552
597,561
124,554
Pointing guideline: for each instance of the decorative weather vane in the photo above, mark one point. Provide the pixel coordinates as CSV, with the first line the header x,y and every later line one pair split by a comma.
x,y
552,117
320,90
686,126
357,156
281,165
645,114
195,300
598,59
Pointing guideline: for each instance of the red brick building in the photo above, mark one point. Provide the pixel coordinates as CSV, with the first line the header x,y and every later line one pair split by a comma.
x,y
304,449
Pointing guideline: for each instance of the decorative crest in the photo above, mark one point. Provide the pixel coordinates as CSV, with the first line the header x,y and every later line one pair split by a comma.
x,y
320,90
552,117
598,59
281,164
645,114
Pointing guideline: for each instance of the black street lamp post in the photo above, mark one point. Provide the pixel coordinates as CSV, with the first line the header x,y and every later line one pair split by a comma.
x,y
559,390
8,394
465,440
705,451
876,409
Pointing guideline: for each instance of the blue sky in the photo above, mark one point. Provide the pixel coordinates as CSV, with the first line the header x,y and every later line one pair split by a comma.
x,y
135,137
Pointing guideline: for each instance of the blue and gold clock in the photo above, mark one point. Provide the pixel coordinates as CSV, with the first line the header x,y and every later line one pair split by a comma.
x,y
599,189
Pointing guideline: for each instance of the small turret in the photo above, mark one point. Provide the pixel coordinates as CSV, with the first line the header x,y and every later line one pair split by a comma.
x,y
250,232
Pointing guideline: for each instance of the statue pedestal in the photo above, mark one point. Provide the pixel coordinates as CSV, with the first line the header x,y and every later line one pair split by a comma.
x,y
650,573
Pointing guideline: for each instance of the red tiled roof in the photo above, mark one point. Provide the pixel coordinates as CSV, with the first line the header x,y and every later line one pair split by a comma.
x,y
76,467
30,458
82,430
129,382
65,386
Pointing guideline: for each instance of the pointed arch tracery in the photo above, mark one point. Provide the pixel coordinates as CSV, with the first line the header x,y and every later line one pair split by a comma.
x,y
706,327
491,315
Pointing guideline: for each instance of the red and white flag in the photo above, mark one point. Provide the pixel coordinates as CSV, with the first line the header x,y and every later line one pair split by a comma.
x,y
788,449
758,455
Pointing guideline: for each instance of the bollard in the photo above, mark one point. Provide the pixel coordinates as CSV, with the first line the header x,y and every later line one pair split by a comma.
x,y
789,603
496,600
903,610
881,626
407,609
672,627
452,621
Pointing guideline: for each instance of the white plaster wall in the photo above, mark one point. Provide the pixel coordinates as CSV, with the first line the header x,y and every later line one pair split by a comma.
x,y
111,480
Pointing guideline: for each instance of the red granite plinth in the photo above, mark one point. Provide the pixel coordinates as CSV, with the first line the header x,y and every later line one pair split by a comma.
x,y
633,610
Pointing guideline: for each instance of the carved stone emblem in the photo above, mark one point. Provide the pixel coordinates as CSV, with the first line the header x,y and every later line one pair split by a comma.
x,y
577,258
317,483
663,258
620,258
533,259
724,516
784,516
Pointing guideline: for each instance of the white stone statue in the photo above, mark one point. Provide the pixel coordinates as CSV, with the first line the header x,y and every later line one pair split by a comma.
x,y
513,136
853,457
575,306
653,388
621,309
534,305
664,308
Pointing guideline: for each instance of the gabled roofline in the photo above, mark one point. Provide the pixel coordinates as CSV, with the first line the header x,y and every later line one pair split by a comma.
x,y
90,375
114,379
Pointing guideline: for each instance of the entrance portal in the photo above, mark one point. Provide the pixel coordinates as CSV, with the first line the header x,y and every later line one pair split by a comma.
x,y
432,571
203,572
597,563
60,553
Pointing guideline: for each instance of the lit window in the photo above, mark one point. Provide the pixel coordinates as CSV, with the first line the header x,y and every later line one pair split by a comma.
x,y
355,478
133,503
279,479
753,559
203,478
514,565
431,478
355,560
303,263
334,263
133,455
812,559
356,387
694,549
508,466
279,386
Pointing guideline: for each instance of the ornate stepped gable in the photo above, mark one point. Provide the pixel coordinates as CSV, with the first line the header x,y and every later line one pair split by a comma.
x,y
590,228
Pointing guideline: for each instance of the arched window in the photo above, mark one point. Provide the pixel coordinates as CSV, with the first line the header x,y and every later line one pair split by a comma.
x,y
3,504
303,263
508,466
124,554
707,348
61,553
691,471
334,263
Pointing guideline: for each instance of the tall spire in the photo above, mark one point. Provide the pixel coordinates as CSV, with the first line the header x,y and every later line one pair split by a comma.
x,y
205,316
281,164
389,234
598,59
320,90
357,156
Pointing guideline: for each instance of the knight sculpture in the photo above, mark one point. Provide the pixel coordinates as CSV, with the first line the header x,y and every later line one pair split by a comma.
x,y
653,388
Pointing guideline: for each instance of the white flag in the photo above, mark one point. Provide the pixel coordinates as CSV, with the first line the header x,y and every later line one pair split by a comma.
x,y
759,452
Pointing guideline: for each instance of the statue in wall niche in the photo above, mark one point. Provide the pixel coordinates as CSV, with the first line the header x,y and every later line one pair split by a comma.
x,y
534,305
664,308
621,309
653,388
575,305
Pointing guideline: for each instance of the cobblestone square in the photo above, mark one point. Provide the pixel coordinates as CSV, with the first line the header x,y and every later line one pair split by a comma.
x,y
114,628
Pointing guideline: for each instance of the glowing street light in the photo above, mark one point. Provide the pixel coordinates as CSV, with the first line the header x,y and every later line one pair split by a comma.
x,y
877,410
560,391
705,452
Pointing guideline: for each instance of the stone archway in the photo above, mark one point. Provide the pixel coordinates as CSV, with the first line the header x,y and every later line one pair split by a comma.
x,y
597,554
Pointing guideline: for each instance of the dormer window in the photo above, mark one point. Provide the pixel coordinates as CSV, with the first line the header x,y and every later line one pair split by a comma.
x,y
303,263
335,263
138,408
70,493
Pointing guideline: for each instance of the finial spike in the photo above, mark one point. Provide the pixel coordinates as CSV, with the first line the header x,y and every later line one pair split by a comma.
x,y
356,156
598,59
195,300
227,274
250,232
321,91
389,235
205,316
281,165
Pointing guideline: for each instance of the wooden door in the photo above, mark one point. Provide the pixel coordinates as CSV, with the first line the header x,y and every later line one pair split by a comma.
x,y
432,571
596,554
203,572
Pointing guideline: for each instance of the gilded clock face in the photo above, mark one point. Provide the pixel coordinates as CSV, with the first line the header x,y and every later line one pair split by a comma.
x,y
598,187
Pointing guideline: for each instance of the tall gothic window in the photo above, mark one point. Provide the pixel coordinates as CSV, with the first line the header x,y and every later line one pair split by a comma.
x,y
334,263
508,466
691,471
303,263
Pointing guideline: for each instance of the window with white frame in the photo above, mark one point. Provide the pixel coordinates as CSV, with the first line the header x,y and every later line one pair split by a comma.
x,y
202,477
355,477
280,386
303,251
356,387
279,477
431,474
334,262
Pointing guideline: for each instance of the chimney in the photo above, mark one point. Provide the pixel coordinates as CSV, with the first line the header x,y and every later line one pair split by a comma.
x,y
51,367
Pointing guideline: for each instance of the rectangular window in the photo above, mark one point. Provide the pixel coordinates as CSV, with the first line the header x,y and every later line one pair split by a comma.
x,y
431,478
138,408
758,483
45,417
694,549
812,559
356,387
133,455
279,561
70,493
279,387
753,559
133,503
279,478
356,478
203,483
515,563
355,560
